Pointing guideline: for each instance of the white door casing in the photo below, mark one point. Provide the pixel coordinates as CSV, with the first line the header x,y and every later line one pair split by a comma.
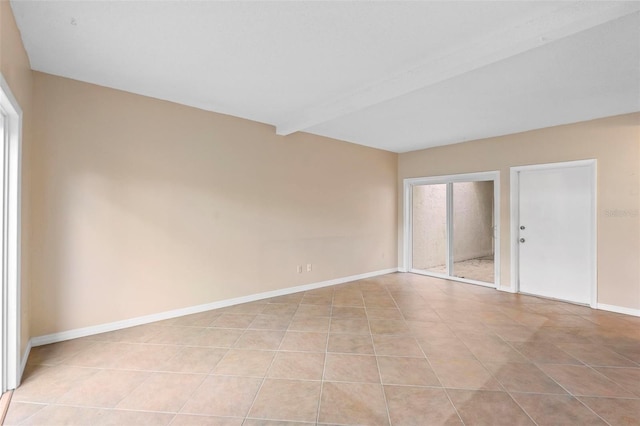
x,y
10,224
555,252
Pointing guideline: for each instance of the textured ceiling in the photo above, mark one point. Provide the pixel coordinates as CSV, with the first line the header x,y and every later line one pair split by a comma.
x,y
393,75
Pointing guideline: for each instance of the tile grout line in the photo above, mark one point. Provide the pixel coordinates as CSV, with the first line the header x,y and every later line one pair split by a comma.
x,y
546,375
520,406
266,375
490,374
190,395
499,382
436,374
264,379
340,381
590,409
324,364
375,353
197,387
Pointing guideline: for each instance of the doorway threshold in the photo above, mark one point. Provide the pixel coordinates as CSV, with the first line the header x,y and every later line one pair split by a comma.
x,y
451,278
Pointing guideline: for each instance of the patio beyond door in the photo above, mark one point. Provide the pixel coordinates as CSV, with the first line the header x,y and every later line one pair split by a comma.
x,y
452,227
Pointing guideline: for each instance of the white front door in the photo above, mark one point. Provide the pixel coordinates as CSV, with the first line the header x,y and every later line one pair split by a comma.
x,y
555,232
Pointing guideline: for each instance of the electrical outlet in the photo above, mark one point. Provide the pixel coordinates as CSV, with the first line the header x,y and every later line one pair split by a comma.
x,y
299,269
308,267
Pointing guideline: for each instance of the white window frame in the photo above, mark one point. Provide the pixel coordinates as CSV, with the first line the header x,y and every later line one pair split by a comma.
x,y
409,183
11,189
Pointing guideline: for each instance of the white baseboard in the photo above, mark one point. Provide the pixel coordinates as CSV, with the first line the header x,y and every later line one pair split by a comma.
x,y
117,325
619,309
23,362
601,306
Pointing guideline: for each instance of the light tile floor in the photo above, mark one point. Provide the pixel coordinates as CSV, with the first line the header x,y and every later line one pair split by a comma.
x,y
399,349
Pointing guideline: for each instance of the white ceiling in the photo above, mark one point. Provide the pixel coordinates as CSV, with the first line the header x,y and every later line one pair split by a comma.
x,y
393,75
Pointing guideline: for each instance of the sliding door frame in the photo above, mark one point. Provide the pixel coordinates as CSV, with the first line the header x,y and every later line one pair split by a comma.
x,y
410,183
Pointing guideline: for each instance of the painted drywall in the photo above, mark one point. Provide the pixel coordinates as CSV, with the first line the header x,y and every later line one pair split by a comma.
x,y
472,223
143,206
614,142
15,67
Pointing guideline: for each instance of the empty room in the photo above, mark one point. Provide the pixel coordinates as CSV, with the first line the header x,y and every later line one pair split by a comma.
x,y
320,212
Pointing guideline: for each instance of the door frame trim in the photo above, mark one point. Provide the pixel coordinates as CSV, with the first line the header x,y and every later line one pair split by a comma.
x,y
11,205
409,183
514,183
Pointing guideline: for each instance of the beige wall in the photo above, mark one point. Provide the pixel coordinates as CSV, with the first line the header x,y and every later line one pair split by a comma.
x,y
143,206
614,142
15,67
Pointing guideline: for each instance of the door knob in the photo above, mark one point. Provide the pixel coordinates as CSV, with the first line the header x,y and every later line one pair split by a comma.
x,y
522,240
522,227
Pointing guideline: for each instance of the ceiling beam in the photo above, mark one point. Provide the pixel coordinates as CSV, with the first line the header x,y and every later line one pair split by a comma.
x,y
515,39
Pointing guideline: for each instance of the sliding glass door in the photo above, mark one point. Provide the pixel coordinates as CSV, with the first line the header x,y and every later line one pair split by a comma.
x,y
430,228
451,227
472,215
